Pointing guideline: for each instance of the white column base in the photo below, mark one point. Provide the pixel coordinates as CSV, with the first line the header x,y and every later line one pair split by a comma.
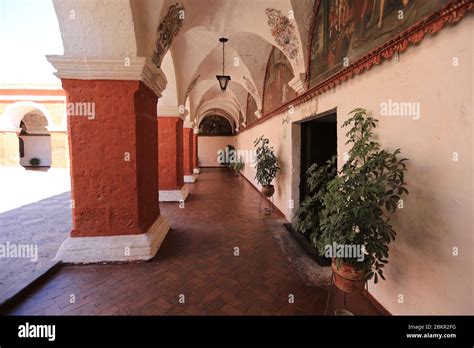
x,y
190,179
196,170
174,195
82,250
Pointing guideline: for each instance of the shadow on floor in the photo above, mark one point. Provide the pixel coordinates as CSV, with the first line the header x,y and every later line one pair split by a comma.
x,y
29,238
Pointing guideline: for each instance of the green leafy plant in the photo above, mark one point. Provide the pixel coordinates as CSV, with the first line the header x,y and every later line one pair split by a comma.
x,y
35,161
359,200
238,165
307,217
266,161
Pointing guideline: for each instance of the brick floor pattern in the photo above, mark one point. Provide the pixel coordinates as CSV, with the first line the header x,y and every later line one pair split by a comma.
x,y
197,260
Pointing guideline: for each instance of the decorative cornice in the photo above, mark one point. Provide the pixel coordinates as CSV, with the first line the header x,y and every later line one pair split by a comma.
x,y
171,112
452,13
298,83
187,124
110,68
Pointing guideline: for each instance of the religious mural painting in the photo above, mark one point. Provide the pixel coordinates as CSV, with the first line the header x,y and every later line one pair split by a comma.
x,y
277,92
347,30
250,110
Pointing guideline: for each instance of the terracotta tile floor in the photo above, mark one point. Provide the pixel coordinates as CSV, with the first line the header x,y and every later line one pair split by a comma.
x,y
196,263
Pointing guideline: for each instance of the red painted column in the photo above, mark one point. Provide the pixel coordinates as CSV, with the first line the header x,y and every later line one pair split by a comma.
x,y
195,152
188,155
188,151
114,171
170,158
113,158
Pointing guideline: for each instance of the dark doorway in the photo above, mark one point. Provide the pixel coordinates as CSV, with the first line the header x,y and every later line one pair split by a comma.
x,y
318,145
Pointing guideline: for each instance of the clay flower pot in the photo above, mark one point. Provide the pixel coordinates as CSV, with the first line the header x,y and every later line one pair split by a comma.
x,y
268,190
347,278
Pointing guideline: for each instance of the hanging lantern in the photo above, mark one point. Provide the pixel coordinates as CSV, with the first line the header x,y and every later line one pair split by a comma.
x,y
223,79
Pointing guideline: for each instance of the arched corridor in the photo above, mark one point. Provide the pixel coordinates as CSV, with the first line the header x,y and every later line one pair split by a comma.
x,y
199,260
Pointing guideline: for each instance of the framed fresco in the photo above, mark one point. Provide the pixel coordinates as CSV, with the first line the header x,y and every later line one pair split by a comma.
x,y
276,89
345,30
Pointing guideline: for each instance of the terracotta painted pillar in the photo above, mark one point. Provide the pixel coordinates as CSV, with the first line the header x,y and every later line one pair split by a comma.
x,y
113,160
189,176
196,169
170,159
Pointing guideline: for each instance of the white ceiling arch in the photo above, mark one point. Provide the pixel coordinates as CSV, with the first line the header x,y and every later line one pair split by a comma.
x,y
214,93
196,94
147,15
191,49
223,104
269,19
169,98
254,51
96,28
138,28
209,89
252,28
212,66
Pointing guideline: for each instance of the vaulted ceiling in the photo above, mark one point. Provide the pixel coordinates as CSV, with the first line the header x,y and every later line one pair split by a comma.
x,y
181,37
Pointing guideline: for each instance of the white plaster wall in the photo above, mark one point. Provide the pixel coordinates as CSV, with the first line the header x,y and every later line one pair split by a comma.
x,y
438,213
39,147
208,147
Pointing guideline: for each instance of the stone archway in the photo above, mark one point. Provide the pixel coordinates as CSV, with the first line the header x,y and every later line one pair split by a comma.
x,y
24,127
35,141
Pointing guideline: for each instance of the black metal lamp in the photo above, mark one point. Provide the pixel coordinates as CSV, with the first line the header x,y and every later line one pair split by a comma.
x,y
223,79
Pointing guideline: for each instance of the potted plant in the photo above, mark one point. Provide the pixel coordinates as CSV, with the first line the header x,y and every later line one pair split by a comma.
x,y
307,217
35,161
230,153
358,203
266,165
238,165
